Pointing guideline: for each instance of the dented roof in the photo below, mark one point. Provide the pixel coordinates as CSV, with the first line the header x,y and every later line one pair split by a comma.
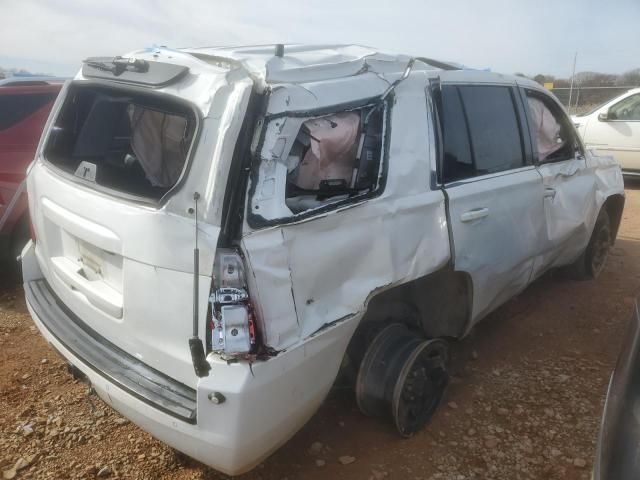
x,y
305,63
292,64
308,64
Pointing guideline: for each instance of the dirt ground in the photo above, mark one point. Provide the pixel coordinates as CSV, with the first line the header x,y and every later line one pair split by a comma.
x,y
525,400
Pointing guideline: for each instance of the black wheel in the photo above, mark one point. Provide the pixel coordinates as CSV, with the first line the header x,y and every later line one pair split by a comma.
x,y
593,260
404,376
598,249
420,386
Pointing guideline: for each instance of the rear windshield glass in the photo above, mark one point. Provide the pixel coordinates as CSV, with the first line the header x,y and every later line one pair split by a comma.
x,y
131,143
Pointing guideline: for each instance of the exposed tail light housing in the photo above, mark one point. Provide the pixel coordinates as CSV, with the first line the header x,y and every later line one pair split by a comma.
x,y
232,324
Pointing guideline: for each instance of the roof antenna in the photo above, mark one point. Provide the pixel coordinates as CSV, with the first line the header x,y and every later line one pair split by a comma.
x,y
280,50
198,357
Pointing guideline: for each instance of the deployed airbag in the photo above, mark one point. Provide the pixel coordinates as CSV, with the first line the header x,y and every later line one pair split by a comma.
x,y
546,127
159,141
332,151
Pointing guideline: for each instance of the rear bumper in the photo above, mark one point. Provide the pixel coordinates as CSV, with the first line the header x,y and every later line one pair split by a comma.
x,y
264,406
106,359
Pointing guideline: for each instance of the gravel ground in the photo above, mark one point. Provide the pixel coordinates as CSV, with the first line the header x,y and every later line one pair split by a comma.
x,y
525,400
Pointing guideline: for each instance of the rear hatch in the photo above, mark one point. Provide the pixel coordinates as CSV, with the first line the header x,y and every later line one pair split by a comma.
x,y
111,198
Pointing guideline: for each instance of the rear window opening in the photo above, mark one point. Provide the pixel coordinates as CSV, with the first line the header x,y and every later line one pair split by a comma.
x,y
315,163
132,143
333,158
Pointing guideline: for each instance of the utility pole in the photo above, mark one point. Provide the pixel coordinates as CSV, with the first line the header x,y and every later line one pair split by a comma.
x,y
575,58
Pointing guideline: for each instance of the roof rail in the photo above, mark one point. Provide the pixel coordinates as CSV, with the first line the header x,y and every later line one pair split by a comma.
x,y
437,63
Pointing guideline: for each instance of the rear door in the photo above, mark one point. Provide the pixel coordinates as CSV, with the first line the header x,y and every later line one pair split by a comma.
x,y
494,191
569,186
619,134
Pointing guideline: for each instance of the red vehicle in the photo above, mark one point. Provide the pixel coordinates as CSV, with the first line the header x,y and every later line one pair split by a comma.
x,y
25,103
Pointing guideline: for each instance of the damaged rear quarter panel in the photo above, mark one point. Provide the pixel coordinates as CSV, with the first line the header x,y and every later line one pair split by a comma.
x,y
325,268
270,285
375,245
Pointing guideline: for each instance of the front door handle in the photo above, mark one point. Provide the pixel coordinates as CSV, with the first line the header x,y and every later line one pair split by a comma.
x,y
550,193
474,214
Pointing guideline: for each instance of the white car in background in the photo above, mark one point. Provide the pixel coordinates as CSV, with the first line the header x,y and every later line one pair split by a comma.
x,y
614,129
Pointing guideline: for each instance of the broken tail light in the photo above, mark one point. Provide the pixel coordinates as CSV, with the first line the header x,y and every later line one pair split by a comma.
x,y
232,324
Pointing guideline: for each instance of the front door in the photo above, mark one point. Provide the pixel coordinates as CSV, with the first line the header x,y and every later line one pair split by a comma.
x,y
568,184
494,193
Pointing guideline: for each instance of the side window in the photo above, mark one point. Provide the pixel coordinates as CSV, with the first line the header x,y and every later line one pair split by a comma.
x,y
481,131
458,162
310,163
552,134
627,109
14,108
493,126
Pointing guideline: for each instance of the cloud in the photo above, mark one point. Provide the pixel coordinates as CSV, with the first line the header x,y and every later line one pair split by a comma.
x,y
528,36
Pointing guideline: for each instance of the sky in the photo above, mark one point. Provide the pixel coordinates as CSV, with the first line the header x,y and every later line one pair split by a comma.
x,y
528,36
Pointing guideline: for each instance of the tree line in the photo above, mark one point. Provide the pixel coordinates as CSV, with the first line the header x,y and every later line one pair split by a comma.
x,y
588,88
630,78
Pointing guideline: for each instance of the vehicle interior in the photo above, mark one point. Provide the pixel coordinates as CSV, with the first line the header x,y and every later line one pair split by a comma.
x,y
627,109
334,157
553,134
133,144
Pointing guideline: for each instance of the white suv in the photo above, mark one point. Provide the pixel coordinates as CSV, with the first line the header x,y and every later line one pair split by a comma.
x,y
218,230
614,129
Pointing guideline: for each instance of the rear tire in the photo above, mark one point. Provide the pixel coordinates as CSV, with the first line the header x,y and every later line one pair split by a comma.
x,y
594,258
402,376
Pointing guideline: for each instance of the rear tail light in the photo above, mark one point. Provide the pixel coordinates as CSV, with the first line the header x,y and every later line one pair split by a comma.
x,y
232,324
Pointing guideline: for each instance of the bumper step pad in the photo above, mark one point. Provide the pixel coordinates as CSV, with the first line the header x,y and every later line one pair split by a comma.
x,y
108,360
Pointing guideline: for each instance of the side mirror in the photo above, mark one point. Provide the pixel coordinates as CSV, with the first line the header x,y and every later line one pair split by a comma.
x,y
604,116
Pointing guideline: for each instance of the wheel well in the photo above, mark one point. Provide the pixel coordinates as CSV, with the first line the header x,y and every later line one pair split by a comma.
x,y
614,206
439,304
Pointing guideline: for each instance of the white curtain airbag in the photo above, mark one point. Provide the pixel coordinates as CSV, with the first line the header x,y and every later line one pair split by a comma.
x,y
159,143
546,127
332,152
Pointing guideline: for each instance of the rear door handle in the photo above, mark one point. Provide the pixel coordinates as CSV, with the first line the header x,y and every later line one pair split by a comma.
x,y
474,214
550,193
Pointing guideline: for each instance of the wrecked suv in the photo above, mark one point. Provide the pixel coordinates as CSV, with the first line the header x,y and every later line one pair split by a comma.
x,y
219,231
